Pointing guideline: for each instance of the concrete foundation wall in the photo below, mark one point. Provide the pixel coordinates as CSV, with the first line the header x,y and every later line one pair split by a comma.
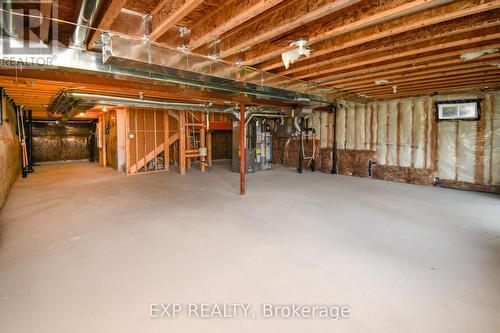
x,y
9,151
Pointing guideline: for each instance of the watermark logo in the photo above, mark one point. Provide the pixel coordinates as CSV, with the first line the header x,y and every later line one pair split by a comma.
x,y
268,311
27,33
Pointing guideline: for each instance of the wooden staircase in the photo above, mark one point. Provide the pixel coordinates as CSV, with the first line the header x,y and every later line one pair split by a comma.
x,y
153,154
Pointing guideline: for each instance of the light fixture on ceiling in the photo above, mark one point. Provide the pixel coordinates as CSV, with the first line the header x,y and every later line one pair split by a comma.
x,y
105,109
395,89
81,114
300,49
477,54
381,82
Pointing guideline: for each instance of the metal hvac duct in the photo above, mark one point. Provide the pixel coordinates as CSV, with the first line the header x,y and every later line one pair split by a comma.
x,y
86,17
91,63
7,26
68,103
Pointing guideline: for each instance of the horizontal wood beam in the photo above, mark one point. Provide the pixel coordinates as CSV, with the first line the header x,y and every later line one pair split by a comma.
x,y
107,18
168,13
228,16
325,75
464,68
441,58
477,83
409,70
436,46
448,90
388,44
321,31
283,19
484,74
453,11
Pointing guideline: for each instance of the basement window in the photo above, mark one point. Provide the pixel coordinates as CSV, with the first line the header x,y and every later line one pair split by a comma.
x,y
458,110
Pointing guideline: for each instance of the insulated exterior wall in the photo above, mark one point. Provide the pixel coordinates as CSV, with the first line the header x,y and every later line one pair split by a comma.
x,y
495,142
447,159
410,142
60,142
9,150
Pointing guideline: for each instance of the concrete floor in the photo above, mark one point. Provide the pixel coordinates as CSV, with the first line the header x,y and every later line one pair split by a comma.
x,y
85,249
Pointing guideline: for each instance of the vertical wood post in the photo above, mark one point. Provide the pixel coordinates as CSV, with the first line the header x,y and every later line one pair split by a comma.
x,y
182,143
209,148
242,149
104,147
166,129
155,142
127,139
203,159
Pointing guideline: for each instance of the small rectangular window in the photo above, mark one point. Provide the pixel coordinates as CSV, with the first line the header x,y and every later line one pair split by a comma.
x,y
456,110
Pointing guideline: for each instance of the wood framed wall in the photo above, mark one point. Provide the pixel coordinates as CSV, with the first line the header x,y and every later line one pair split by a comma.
x,y
147,140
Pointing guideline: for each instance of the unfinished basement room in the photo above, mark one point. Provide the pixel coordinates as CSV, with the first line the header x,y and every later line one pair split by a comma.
x,y
250,166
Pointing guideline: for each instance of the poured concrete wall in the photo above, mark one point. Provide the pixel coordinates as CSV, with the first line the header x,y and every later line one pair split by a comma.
x,y
9,151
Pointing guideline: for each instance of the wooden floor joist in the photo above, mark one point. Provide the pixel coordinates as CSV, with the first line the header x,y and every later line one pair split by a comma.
x,y
353,43
453,11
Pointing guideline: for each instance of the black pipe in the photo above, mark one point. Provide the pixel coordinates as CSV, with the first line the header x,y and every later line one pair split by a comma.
x,y
301,152
31,163
334,149
19,113
370,168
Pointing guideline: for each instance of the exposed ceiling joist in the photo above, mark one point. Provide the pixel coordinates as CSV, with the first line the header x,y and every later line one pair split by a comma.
x,y
107,19
455,89
321,31
325,75
401,25
169,13
482,72
430,86
409,75
405,26
389,45
229,16
285,18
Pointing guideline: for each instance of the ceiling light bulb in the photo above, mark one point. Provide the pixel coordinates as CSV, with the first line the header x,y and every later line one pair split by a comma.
x,y
82,114
105,109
